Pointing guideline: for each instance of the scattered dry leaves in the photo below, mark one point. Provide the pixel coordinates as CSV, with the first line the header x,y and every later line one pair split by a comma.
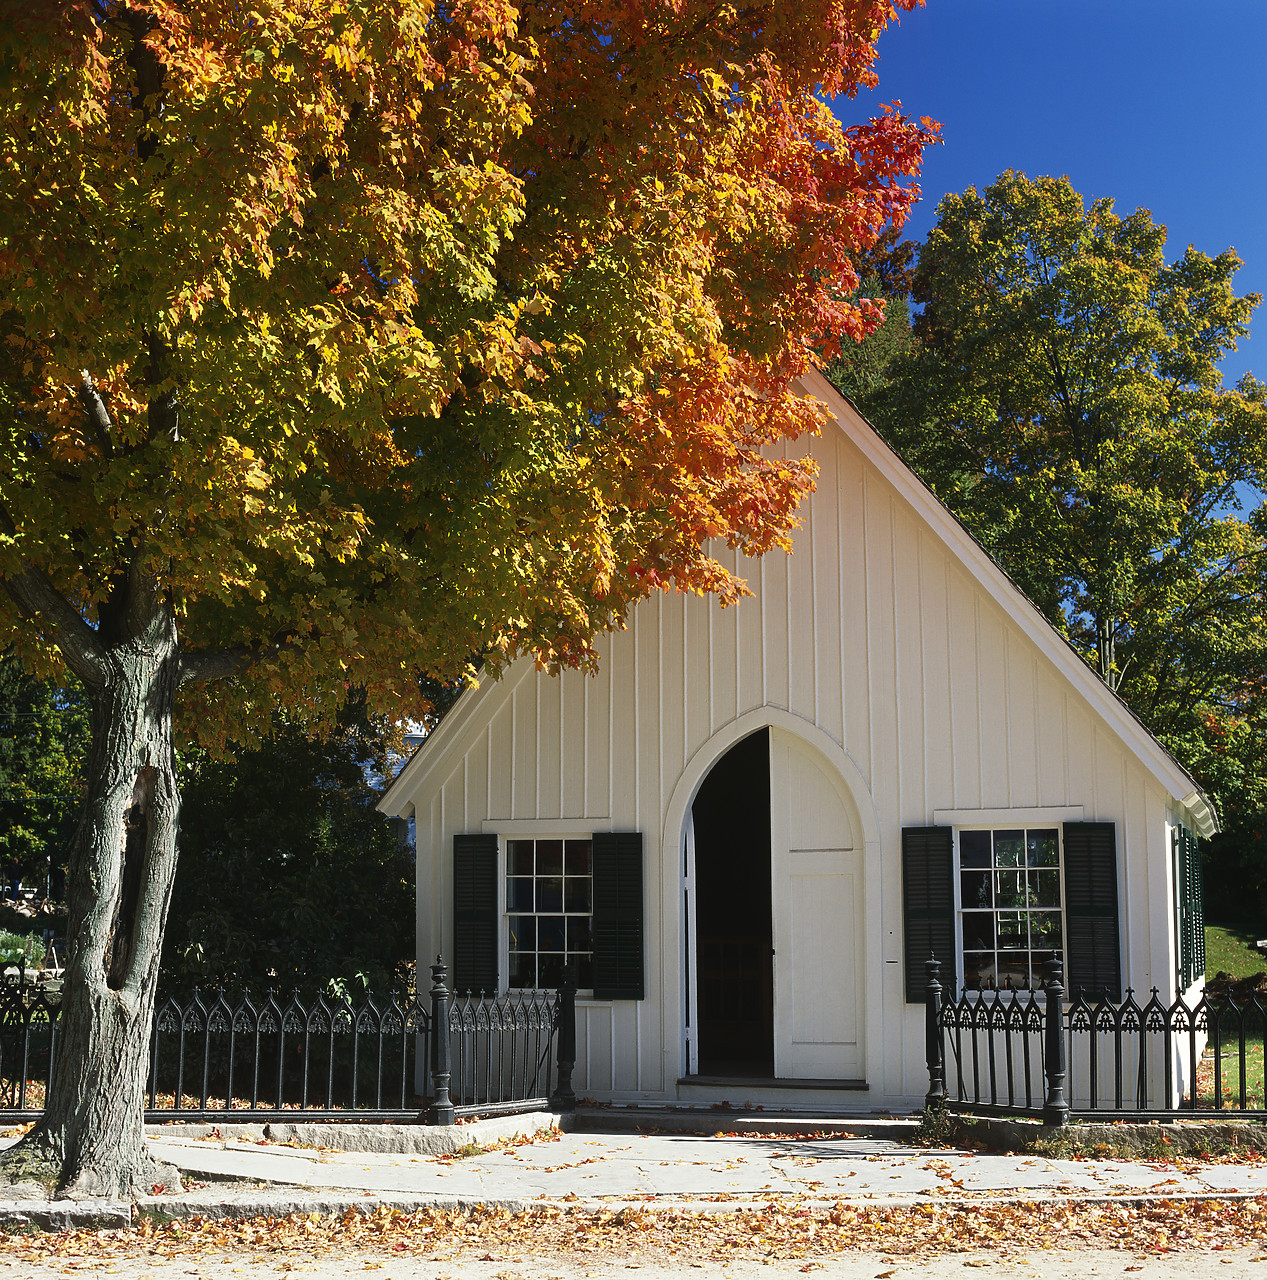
x,y
552,1134
779,1230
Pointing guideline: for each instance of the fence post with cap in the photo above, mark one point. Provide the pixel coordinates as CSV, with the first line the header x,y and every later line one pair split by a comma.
x,y
1056,1106
441,1111
932,1036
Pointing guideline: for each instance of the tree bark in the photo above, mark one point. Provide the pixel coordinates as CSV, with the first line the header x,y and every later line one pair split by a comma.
x,y
90,1141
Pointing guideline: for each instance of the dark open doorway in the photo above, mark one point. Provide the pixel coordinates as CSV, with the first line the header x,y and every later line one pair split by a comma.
x,y
733,915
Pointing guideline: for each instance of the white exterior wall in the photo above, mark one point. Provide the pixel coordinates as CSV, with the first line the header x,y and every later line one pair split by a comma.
x,y
880,645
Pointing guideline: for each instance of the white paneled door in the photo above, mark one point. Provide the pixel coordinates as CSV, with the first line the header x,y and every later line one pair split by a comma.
x,y
818,927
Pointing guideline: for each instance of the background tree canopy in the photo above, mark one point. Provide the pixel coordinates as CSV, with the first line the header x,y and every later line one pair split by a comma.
x,y
43,745
287,873
1060,392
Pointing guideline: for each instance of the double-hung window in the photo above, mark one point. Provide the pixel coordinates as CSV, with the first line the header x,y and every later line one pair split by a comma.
x,y
1010,906
549,906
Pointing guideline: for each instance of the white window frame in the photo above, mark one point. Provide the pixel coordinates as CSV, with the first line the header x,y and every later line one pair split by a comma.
x,y
1008,820
539,832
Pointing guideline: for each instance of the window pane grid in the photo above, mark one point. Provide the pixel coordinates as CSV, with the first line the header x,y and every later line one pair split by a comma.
x,y
549,900
1010,906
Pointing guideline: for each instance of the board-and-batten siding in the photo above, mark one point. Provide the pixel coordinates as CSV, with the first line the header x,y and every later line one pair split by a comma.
x,y
873,631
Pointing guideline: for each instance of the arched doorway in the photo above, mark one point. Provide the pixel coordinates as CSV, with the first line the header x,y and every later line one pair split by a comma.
x,y
775,984
733,915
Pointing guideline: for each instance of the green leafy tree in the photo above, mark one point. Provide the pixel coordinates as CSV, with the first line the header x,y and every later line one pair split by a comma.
x,y
287,872
43,743
886,272
1064,400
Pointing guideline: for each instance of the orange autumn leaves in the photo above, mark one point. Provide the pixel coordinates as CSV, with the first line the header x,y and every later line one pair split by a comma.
x,y
481,319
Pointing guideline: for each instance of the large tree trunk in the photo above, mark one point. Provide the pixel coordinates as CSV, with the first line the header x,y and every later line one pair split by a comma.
x,y
91,1140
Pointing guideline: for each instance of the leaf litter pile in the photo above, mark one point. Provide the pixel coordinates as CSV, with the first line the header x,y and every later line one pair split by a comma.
x,y
777,1231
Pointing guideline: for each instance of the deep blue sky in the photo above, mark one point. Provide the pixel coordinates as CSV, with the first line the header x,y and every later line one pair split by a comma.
x,y
1156,103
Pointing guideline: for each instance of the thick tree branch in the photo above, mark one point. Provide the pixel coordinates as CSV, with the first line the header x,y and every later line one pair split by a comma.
x,y
215,664
35,596
222,664
98,414
164,410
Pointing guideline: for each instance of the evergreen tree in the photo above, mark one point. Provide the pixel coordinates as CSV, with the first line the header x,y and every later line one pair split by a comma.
x,y
287,873
43,741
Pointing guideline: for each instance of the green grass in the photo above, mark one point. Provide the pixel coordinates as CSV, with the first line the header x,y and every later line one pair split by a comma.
x,y
1229,949
1231,1075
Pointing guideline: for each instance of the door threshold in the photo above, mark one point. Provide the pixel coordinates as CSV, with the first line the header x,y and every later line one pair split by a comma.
x,y
772,1082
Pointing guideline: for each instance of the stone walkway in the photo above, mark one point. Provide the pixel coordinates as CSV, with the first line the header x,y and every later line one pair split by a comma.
x,y
681,1168
243,1173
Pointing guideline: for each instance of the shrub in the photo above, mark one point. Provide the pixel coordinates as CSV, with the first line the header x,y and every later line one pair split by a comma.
x,y
15,946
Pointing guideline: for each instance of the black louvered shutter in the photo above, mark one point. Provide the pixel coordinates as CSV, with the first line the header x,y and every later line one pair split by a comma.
x,y
475,913
618,915
928,907
1093,958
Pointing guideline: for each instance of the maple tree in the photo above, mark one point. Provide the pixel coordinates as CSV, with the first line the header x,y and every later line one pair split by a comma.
x,y
1062,395
340,341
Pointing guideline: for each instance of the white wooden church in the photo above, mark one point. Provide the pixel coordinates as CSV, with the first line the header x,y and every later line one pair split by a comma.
x,y
754,825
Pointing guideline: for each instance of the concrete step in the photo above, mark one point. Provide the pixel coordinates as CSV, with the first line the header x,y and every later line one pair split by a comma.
x,y
718,1119
821,1097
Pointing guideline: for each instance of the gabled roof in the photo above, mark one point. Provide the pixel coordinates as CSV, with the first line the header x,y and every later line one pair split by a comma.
x,y
977,562
1019,608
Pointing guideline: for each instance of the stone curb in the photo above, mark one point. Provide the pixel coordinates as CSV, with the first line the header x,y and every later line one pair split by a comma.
x,y
380,1139
65,1215
334,1204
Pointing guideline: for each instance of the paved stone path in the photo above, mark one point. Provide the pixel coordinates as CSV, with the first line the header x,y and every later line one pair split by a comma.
x,y
242,1175
677,1169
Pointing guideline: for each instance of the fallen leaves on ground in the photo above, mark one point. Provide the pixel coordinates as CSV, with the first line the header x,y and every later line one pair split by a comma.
x,y
508,1145
779,1230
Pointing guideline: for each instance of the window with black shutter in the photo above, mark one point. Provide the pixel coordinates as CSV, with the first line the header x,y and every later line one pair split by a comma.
x,y
928,905
1190,922
987,903
1093,964
618,916
475,913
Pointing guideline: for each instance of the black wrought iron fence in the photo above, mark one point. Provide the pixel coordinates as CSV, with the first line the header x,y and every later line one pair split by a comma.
x,y
1032,1053
229,1053
29,1013
501,1051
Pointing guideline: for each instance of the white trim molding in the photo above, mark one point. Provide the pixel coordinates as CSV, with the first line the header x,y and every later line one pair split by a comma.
x,y
1051,814
545,827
